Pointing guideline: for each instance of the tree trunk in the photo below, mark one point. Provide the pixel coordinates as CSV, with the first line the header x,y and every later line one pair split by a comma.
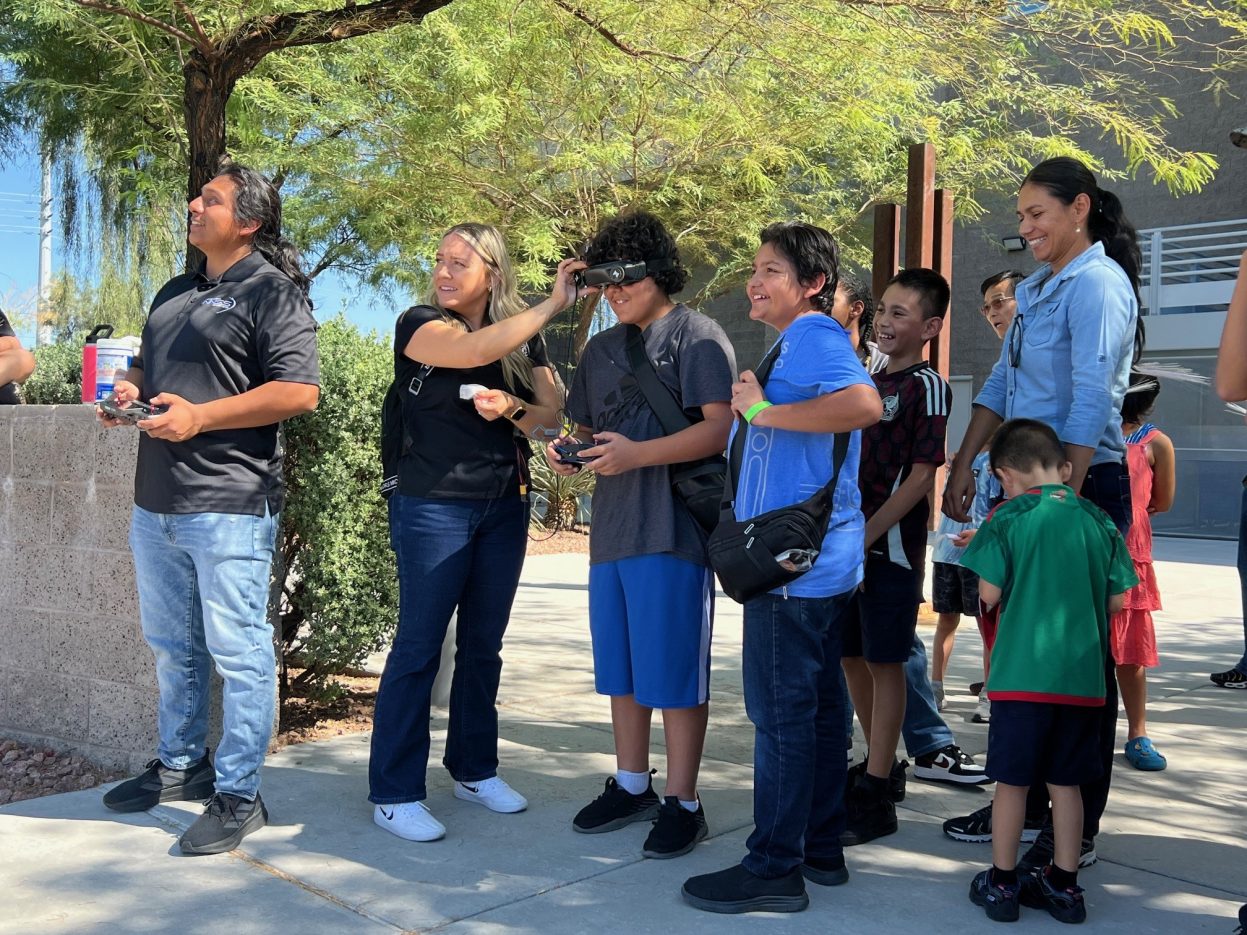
x,y
208,85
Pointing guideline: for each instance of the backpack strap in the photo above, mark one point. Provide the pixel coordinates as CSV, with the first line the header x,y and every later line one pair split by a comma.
x,y
656,393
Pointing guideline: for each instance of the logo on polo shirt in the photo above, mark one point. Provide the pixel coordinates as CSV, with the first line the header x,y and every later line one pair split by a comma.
x,y
891,405
221,305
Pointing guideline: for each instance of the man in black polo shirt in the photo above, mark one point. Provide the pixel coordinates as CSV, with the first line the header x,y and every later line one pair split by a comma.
x,y
16,363
231,352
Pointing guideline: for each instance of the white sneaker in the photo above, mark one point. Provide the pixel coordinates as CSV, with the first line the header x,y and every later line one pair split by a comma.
x,y
982,711
493,793
409,820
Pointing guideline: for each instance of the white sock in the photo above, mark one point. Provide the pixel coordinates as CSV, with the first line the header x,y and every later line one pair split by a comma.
x,y
690,806
632,783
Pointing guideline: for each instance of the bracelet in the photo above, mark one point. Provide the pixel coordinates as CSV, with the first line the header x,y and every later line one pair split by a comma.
x,y
752,412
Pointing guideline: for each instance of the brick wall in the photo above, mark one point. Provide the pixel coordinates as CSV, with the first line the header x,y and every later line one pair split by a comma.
x,y
74,670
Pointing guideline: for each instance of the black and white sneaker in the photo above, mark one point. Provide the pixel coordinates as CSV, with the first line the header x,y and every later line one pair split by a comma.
x,y
1039,854
950,764
976,828
676,830
1231,678
615,808
158,783
226,820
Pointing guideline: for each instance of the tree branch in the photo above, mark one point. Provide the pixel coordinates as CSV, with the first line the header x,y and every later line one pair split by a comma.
x,y
618,43
139,18
205,42
265,34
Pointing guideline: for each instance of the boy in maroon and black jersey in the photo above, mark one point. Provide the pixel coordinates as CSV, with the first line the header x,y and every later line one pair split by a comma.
x,y
900,455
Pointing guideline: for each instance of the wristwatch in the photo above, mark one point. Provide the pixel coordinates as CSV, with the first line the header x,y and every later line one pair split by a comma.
x,y
517,413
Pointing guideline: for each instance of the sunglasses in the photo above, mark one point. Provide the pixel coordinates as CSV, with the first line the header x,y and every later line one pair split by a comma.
x,y
1015,341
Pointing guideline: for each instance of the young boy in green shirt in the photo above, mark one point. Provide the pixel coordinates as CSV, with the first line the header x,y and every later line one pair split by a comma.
x,y
1057,566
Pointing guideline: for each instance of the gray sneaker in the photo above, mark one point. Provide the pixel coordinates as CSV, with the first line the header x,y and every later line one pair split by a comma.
x,y
158,783
226,820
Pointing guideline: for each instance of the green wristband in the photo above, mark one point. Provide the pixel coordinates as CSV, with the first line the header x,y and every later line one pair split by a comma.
x,y
753,410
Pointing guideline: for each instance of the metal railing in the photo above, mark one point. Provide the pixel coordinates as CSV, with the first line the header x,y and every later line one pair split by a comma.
x,y
1190,265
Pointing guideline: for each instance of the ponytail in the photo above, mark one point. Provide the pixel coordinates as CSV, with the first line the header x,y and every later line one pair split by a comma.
x,y
255,199
1065,179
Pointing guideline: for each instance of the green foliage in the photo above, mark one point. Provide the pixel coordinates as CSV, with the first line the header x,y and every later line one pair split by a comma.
x,y
545,116
58,375
556,498
339,585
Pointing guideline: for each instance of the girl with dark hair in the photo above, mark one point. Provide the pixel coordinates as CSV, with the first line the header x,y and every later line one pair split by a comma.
x,y
1132,635
476,380
651,592
1066,362
794,694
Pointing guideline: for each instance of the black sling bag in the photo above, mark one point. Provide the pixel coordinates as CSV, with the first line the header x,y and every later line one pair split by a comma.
x,y
754,556
699,484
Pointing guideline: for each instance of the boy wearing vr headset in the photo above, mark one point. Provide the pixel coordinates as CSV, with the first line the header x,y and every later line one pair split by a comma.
x,y
651,592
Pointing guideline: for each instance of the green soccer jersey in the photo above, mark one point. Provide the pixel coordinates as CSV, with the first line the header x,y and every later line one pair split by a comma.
x,y
1057,558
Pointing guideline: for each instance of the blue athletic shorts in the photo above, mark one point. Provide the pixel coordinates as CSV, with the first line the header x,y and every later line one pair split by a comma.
x,y
1032,742
650,618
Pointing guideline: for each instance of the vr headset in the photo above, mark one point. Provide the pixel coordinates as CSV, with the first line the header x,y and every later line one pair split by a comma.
x,y
617,272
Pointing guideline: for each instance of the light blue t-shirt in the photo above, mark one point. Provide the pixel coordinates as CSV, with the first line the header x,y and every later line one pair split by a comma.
x,y
986,490
782,467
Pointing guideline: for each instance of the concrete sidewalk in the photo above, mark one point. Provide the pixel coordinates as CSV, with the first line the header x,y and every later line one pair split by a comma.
x,y
1172,852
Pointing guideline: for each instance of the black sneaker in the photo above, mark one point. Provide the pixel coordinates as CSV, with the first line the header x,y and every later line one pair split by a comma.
x,y
1039,855
1063,905
737,890
896,779
950,764
999,899
825,871
676,830
226,820
976,828
976,688
1231,678
870,816
158,783
615,808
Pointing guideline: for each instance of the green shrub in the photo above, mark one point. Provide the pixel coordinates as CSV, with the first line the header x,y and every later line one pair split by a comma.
x,y
556,499
338,580
58,375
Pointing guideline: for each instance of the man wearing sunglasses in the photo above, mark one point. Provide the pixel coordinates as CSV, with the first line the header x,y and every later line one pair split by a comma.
x,y
999,303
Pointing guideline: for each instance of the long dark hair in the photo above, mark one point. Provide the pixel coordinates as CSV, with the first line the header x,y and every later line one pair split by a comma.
x,y
255,199
1065,179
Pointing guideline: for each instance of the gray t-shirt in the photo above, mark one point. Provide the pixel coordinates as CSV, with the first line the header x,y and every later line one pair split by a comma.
x,y
637,513
208,339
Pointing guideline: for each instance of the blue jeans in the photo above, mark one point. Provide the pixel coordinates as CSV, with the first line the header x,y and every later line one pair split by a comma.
x,y
451,553
203,581
794,696
924,730
1242,574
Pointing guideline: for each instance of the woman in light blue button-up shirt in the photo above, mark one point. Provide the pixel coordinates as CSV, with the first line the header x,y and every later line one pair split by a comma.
x,y
1066,361
1066,358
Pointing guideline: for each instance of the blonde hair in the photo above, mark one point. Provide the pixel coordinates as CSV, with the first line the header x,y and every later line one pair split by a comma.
x,y
504,295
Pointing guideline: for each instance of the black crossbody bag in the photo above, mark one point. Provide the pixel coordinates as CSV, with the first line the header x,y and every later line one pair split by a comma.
x,y
746,554
699,484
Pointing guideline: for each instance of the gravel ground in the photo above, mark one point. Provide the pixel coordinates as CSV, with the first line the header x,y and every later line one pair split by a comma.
x,y
29,772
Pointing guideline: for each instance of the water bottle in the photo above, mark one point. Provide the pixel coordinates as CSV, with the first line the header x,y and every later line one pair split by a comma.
x,y
89,356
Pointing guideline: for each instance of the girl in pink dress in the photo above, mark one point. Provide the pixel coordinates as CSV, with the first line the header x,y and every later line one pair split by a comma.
x,y
1150,458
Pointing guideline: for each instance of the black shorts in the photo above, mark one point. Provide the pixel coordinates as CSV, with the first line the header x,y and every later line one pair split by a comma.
x,y
879,624
1031,742
954,590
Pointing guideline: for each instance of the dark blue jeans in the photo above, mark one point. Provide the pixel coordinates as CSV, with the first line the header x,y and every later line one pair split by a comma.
x,y
464,554
1242,573
794,696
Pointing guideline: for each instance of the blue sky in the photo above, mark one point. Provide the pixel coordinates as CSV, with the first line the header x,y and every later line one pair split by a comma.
x,y
19,256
